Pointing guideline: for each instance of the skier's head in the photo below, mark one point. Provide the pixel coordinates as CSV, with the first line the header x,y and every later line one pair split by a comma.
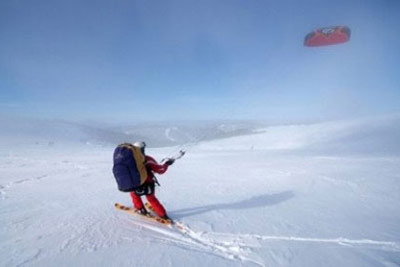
x,y
141,145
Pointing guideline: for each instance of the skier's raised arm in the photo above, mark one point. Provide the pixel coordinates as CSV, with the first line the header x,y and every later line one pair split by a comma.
x,y
153,165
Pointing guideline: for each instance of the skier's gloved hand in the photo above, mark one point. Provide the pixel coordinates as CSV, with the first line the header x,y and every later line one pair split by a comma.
x,y
169,162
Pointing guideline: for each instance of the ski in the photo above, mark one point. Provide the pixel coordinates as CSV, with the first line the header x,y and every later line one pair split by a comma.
x,y
149,216
179,225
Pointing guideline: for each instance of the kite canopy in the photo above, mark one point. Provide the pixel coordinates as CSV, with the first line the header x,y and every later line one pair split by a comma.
x,y
328,36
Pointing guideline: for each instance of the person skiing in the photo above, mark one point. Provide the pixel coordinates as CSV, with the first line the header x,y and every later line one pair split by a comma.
x,y
148,188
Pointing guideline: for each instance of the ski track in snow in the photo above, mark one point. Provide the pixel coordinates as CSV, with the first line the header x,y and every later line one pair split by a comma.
x,y
241,247
4,188
383,245
183,237
34,257
64,165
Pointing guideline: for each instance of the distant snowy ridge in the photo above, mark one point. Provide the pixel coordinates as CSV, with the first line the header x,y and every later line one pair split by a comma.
x,y
19,130
373,135
363,136
168,133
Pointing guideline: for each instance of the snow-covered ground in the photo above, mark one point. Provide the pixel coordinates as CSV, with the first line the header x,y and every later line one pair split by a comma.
x,y
324,194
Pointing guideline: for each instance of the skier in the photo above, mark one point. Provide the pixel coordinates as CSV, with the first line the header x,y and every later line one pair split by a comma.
x,y
147,188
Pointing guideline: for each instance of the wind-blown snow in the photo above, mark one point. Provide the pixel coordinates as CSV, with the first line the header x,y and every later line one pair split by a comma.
x,y
322,194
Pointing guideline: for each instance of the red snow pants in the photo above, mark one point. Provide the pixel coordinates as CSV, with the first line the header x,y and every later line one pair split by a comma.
x,y
153,201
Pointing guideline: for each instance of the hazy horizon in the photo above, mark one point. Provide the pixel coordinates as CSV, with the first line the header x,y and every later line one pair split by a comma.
x,y
190,60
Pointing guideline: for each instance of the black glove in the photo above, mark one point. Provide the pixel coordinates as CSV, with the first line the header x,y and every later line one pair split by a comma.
x,y
169,162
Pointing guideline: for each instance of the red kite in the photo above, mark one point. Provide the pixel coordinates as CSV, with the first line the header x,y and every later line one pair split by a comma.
x,y
328,36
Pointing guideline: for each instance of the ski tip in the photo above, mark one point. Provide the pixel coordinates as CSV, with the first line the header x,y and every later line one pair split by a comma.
x,y
121,207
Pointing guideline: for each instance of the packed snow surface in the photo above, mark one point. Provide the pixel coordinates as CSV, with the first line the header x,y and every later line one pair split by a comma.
x,y
324,194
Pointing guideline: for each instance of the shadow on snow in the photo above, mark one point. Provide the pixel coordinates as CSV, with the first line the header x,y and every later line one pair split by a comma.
x,y
254,202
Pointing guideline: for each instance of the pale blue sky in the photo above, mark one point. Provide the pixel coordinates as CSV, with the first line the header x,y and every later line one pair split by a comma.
x,y
160,60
